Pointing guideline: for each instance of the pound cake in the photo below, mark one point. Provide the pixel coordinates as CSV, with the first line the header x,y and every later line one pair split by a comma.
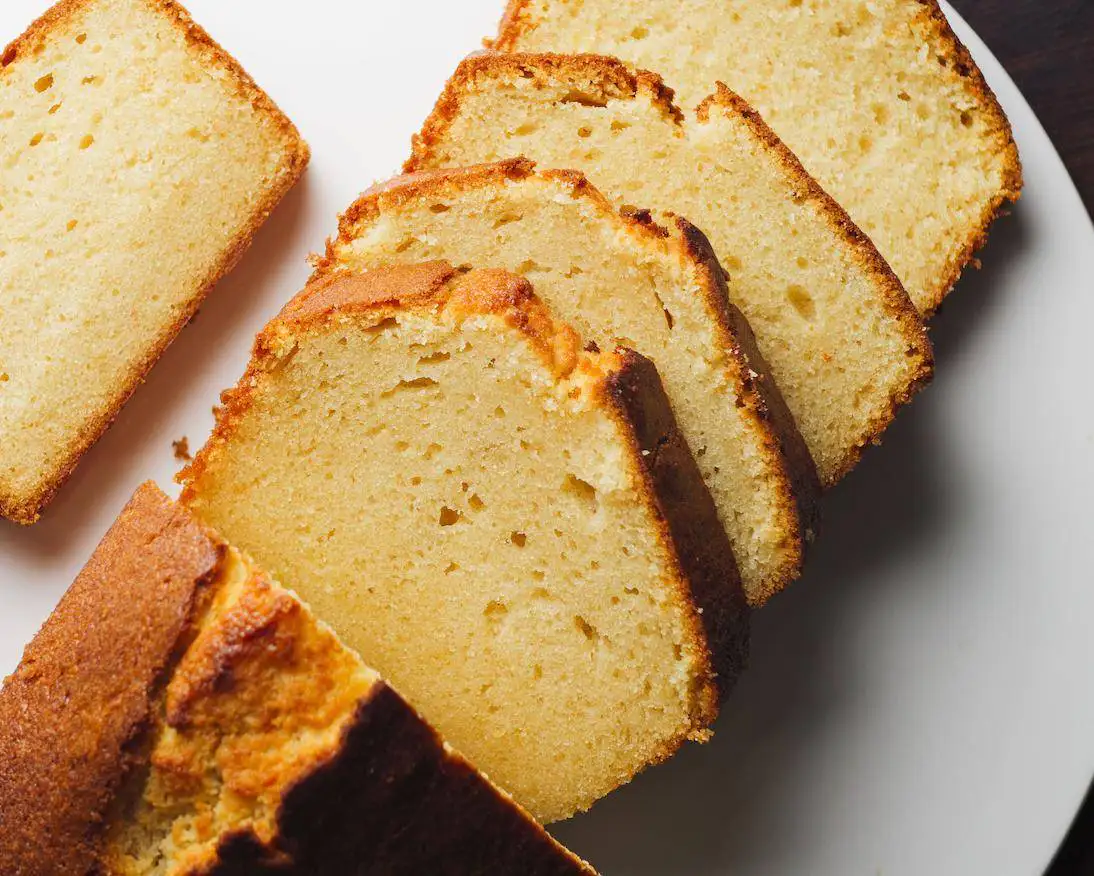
x,y
843,342
880,101
510,527
620,279
139,161
180,713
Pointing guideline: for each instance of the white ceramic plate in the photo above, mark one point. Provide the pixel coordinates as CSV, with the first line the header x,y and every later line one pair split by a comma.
x,y
923,702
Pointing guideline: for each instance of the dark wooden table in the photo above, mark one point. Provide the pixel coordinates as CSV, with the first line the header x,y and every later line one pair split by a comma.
x,y
1048,47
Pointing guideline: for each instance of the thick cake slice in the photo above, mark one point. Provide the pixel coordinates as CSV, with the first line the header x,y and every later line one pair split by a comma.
x,y
512,529
880,101
139,161
843,342
620,279
180,713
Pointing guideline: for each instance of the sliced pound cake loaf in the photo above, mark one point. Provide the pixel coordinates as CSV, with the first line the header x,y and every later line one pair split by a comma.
x,y
880,101
620,279
181,714
139,160
512,529
843,342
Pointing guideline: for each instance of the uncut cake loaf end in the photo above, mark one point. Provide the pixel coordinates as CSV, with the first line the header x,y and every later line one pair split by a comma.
x,y
181,713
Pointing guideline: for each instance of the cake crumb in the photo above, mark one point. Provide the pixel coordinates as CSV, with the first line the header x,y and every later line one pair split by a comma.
x,y
182,449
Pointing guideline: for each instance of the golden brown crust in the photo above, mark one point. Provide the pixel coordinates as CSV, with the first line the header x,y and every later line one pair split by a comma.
x,y
760,395
245,633
402,190
385,292
708,575
611,78
515,22
897,303
407,286
26,510
432,285
146,621
428,811
260,674
83,692
957,55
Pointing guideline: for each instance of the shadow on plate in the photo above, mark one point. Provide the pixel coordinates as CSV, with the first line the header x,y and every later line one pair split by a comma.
x,y
724,801
232,308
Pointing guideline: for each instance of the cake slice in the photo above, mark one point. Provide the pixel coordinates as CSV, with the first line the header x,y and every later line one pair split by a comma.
x,y
620,279
843,342
139,161
511,528
181,713
880,101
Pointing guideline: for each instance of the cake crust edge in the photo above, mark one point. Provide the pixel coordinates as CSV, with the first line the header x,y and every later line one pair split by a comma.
x,y
72,711
897,303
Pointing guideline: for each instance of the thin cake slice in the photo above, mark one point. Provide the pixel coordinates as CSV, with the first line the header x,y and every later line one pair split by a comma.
x,y
880,101
512,529
843,342
620,279
139,161
180,713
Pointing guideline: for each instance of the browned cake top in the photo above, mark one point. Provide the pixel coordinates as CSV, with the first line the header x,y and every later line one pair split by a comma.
x,y
82,693
437,285
610,77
